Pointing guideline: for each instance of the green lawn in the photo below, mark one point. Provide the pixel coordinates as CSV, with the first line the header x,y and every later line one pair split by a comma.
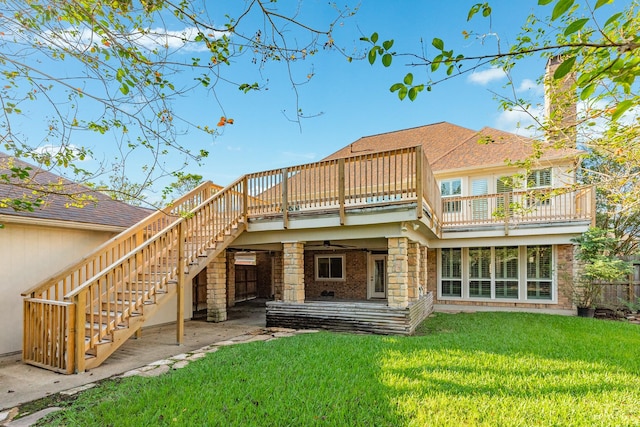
x,y
464,369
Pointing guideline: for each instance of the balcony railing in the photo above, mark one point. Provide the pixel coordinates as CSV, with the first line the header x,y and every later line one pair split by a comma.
x,y
544,205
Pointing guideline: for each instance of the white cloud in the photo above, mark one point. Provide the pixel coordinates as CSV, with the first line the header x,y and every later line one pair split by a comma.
x,y
530,85
486,76
520,122
82,38
52,150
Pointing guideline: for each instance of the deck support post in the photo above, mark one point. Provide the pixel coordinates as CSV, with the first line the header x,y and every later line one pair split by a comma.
x,y
217,288
293,266
80,301
182,236
397,272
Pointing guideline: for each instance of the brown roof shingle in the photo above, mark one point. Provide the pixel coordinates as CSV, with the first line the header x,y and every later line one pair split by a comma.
x,y
449,147
103,211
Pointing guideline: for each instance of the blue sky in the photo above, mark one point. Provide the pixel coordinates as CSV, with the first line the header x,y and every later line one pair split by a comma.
x,y
354,98
350,99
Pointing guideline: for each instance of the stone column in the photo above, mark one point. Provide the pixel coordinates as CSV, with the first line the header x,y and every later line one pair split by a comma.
x,y
293,266
278,276
424,267
397,272
216,289
231,279
414,265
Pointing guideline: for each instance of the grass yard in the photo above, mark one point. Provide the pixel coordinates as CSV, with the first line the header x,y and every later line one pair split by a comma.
x,y
509,369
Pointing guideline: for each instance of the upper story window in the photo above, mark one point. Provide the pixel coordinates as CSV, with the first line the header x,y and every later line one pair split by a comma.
x,y
450,188
330,267
539,178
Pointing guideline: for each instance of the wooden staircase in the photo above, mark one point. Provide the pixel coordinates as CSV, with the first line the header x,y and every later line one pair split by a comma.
x,y
78,318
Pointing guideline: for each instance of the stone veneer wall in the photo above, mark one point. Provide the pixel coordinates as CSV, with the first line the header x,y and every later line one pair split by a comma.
x,y
293,266
397,272
355,285
564,257
217,289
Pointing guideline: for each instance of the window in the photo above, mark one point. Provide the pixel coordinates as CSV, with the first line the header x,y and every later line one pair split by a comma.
x,y
330,267
539,178
480,272
507,272
451,283
539,272
451,188
500,273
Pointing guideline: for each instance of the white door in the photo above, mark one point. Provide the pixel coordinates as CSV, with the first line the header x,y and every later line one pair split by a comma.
x,y
479,206
378,276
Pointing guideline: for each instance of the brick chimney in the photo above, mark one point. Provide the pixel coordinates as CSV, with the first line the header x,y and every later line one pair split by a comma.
x,y
560,101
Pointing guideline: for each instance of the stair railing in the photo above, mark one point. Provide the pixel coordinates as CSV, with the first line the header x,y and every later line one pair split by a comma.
x,y
107,300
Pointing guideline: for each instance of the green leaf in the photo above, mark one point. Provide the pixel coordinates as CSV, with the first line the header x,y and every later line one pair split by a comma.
x,y
564,68
474,9
438,43
621,109
124,89
575,26
413,93
561,8
486,10
402,93
612,19
372,55
408,79
436,62
587,91
601,3
396,87
374,38
544,2
387,44
386,59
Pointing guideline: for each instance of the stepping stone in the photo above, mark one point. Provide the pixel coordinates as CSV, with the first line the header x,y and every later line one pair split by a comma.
x,y
181,364
30,420
162,369
76,390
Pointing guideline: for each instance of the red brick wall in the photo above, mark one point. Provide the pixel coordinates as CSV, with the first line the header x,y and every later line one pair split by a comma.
x,y
355,285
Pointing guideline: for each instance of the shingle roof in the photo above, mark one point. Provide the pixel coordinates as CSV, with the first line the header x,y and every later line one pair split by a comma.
x,y
450,147
104,211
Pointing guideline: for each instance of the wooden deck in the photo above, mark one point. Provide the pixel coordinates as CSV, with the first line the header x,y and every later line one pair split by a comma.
x,y
351,316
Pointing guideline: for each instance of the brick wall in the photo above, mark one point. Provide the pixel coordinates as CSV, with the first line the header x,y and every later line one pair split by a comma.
x,y
355,285
263,266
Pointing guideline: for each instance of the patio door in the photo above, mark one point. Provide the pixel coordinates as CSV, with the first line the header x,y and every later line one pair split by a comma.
x,y
377,276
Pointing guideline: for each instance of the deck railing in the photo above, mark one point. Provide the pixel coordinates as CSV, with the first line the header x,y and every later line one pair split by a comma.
x,y
372,179
535,206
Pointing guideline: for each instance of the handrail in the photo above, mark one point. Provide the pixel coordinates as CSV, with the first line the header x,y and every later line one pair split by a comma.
x,y
76,273
522,206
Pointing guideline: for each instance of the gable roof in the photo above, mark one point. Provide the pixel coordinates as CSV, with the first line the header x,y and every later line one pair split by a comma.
x,y
450,147
104,211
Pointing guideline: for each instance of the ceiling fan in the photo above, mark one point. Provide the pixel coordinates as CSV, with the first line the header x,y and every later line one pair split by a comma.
x,y
328,245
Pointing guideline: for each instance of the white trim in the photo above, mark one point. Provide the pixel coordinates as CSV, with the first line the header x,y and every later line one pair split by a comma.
x,y
42,222
370,276
522,277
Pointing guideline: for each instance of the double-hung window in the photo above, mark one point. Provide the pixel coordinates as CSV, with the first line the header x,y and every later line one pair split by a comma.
x,y
451,280
539,275
539,180
451,188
